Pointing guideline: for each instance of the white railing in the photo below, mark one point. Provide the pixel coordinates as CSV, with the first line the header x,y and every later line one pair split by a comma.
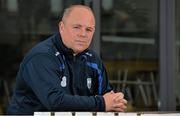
x,y
106,114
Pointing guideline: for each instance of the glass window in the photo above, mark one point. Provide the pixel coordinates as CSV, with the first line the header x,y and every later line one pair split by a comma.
x,y
24,23
12,5
56,6
129,47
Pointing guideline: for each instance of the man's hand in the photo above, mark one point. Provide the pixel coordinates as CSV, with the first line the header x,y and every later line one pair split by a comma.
x,y
115,101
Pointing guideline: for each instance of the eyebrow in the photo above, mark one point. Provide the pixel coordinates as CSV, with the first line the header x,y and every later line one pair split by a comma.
x,y
93,27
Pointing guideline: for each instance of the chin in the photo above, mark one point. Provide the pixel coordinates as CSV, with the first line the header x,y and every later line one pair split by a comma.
x,y
80,50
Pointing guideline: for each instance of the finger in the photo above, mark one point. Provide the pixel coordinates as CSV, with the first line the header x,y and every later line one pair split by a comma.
x,y
118,109
123,101
112,91
121,95
119,105
118,97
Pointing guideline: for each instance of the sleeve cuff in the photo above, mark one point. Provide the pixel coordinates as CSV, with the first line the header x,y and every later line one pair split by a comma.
x,y
100,103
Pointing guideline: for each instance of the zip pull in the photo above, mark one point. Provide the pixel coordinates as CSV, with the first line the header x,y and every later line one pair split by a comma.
x,y
74,57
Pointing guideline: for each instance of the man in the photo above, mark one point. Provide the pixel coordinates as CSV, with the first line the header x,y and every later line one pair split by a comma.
x,y
62,74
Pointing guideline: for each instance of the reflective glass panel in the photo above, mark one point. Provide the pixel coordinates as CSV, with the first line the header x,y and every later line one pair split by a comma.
x,y
129,47
23,23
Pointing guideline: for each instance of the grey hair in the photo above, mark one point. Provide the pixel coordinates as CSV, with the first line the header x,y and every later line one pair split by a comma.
x,y
68,10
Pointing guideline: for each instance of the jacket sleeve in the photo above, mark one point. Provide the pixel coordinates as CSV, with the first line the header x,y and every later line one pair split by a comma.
x,y
106,87
41,75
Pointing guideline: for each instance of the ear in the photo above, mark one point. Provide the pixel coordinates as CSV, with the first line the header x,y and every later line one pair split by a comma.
x,y
61,26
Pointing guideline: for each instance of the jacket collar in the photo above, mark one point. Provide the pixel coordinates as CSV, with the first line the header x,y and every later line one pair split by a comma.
x,y
57,40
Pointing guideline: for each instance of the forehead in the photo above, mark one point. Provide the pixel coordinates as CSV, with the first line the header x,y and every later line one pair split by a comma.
x,y
81,16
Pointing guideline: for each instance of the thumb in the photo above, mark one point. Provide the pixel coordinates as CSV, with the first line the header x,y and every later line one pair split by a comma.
x,y
112,91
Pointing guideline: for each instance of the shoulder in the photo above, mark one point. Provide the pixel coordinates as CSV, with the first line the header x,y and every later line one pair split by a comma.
x,y
42,47
93,57
42,50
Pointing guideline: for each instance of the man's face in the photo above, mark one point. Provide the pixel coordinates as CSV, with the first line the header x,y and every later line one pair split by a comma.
x,y
77,30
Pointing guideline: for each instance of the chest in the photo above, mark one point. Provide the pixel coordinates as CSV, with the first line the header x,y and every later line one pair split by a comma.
x,y
78,78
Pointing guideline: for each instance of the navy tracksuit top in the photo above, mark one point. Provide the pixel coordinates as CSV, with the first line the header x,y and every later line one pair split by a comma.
x,y
50,78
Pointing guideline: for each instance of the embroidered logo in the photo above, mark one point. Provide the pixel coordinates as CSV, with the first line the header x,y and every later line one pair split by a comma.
x,y
89,83
89,54
64,81
57,53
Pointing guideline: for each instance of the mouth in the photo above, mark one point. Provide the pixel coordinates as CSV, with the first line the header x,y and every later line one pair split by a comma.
x,y
80,42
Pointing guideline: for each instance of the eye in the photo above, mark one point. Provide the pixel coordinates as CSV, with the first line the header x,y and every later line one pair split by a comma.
x,y
76,27
89,30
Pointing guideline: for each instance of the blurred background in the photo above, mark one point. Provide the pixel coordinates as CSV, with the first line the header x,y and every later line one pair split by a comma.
x,y
138,40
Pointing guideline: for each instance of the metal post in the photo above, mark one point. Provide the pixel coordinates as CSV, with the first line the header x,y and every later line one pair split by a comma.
x,y
96,6
167,55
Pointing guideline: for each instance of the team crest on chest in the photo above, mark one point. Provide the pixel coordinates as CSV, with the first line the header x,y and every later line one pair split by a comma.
x,y
64,81
89,83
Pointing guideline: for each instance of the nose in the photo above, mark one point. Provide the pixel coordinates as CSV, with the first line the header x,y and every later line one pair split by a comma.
x,y
83,32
